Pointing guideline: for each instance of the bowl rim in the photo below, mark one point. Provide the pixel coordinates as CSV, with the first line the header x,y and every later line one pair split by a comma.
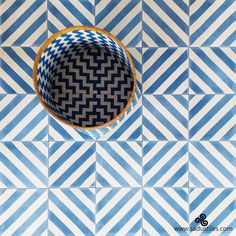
x,y
95,29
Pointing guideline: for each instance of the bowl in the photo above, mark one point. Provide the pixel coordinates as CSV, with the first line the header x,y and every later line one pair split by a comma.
x,y
85,78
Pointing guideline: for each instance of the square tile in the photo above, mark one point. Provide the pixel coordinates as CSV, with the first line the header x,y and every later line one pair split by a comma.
x,y
165,23
165,117
212,70
72,212
165,164
212,23
16,69
164,209
59,131
24,165
22,118
23,22
71,164
165,70
119,211
212,117
122,19
215,207
119,164
23,211
129,129
212,164
63,14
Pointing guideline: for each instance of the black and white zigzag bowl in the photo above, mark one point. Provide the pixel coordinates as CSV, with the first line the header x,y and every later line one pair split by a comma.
x,y
85,78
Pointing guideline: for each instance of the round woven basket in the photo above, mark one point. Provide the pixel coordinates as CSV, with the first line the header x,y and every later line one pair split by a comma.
x,y
85,78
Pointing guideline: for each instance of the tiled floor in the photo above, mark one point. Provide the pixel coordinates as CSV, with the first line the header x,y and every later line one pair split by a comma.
x,y
174,156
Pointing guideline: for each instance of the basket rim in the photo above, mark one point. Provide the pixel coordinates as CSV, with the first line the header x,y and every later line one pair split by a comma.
x,y
95,29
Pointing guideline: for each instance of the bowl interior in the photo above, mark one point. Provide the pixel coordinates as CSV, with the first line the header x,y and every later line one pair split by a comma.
x,y
85,78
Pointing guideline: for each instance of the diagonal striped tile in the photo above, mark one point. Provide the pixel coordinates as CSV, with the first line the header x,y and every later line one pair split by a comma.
x,y
164,209
23,212
118,164
136,54
165,117
129,129
212,23
118,211
16,65
23,22
165,164
23,165
71,164
72,212
212,70
219,206
22,118
64,13
61,132
212,117
165,70
165,23
212,164
121,18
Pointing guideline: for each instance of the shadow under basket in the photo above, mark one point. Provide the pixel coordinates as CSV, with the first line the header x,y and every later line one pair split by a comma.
x,y
85,78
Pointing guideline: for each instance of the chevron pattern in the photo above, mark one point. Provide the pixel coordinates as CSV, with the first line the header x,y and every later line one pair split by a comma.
x,y
165,117
220,160
218,205
23,23
212,70
23,212
72,164
16,70
165,164
165,23
22,118
121,18
119,164
212,23
63,14
72,212
23,165
212,117
163,209
118,211
165,70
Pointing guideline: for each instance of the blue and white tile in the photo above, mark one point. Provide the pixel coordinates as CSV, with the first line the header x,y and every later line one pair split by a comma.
x,y
16,69
63,14
164,209
165,117
212,164
61,132
72,212
212,117
165,164
118,211
165,70
23,212
218,204
71,164
212,23
118,164
22,118
129,129
212,70
165,23
24,165
122,19
23,23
